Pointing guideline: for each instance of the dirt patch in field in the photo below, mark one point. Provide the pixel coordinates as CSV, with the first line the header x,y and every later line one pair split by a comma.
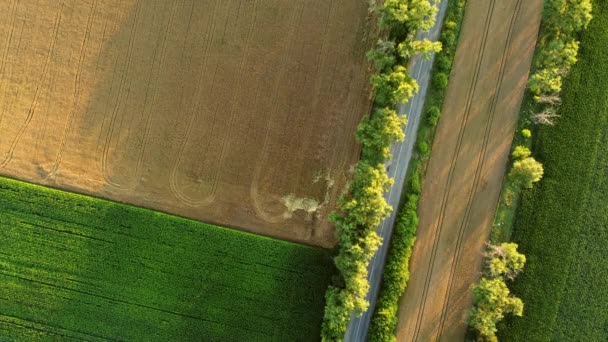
x,y
468,162
214,110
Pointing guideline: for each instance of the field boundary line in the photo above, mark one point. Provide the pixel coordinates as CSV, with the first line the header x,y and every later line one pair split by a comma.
x,y
439,226
30,113
480,165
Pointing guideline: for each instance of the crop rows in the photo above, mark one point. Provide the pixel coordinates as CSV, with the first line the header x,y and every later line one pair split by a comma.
x,y
75,267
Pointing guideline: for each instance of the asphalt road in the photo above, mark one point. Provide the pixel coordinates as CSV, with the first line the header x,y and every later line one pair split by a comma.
x,y
420,68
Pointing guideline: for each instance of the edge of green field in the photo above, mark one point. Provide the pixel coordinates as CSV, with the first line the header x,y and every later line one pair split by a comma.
x,y
78,267
562,224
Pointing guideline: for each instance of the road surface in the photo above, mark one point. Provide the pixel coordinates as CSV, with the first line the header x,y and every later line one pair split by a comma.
x,y
420,68
467,166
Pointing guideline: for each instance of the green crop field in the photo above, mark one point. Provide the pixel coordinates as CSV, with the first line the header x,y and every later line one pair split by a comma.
x,y
79,268
562,225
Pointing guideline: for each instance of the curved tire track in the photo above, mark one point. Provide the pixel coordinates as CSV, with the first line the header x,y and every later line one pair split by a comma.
x,y
34,104
149,115
76,98
175,188
106,147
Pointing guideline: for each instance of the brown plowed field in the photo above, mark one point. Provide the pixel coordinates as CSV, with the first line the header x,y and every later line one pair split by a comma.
x,y
215,110
468,162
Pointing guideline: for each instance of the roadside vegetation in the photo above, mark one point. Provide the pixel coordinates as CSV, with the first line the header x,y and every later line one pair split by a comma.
x,y
396,269
74,267
363,207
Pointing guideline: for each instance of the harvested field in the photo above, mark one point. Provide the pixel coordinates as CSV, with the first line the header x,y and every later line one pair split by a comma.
x,y
467,164
79,268
214,110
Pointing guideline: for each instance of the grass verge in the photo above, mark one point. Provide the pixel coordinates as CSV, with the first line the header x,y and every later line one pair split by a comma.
x,y
76,267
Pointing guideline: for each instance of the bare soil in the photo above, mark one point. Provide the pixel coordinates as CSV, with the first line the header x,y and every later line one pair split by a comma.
x,y
467,165
214,110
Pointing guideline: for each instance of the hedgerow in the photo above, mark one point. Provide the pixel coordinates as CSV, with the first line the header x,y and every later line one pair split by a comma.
x,y
396,269
557,52
363,207
557,226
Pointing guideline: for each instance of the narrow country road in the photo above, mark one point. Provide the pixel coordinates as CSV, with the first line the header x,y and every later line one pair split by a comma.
x,y
420,69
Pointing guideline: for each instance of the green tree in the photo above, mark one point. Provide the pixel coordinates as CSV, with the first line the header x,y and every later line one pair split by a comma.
x,y
394,86
378,131
492,300
384,55
409,48
414,15
521,152
567,15
504,260
526,172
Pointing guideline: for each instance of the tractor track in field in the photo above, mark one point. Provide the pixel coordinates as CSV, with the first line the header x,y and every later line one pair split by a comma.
x,y
444,200
113,116
173,183
170,104
480,153
34,104
479,167
76,100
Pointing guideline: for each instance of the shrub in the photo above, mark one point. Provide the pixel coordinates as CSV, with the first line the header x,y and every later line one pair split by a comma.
x,y
521,152
423,149
448,38
396,273
440,80
432,115
415,183
504,260
526,133
492,300
384,55
526,171
444,63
